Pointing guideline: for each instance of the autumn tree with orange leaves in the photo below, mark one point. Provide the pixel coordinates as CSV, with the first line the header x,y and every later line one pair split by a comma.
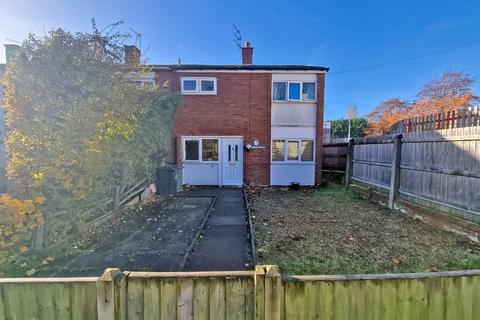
x,y
386,114
451,91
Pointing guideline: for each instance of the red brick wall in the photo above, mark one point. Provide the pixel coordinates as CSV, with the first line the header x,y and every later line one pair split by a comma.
x,y
319,129
241,107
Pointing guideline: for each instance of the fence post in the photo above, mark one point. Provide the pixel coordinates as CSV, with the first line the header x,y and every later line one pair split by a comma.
x,y
273,293
349,168
112,295
259,293
395,172
116,199
37,237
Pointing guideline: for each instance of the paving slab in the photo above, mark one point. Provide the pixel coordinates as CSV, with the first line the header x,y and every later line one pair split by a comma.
x,y
229,220
159,242
224,243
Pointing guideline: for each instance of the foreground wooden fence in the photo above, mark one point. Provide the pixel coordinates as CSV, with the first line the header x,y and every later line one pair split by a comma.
x,y
261,294
439,169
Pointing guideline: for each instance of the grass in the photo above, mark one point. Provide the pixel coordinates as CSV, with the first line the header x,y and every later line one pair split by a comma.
x,y
316,265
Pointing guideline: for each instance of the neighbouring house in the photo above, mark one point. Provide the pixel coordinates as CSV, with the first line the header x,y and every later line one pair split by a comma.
x,y
327,131
245,124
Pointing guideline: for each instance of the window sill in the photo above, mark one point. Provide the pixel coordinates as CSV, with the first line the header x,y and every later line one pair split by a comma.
x,y
293,162
293,101
199,93
199,162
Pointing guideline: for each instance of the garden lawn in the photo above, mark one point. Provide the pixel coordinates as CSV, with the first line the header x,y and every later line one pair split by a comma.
x,y
331,230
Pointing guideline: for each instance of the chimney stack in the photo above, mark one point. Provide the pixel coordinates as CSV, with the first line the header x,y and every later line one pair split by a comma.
x,y
10,51
132,55
247,54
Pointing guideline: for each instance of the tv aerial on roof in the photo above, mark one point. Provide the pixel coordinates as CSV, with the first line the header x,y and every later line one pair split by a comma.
x,y
237,36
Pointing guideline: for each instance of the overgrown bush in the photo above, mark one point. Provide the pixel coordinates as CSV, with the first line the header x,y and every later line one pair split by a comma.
x,y
77,125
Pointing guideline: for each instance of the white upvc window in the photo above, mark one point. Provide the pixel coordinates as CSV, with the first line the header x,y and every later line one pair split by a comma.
x,y
293,150
305,91
279,91
278,150
142,80
309,91
200,150
144,84
196,85
294,91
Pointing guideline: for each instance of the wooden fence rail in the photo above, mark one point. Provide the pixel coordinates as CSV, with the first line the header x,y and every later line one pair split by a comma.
x,y
469,117
92,213
261,294
439,169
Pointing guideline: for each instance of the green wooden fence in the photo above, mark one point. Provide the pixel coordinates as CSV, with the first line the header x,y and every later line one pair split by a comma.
x,y
260,294
48,299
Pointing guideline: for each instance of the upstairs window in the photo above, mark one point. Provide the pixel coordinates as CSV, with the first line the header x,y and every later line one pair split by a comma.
x,y
294,91
279,91
207,85
308,91
191,85
142,80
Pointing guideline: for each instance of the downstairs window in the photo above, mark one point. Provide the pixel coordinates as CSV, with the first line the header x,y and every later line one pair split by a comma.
x,y
293,150
201,149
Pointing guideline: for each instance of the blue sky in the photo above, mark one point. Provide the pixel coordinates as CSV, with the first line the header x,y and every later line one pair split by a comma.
x,y
342,35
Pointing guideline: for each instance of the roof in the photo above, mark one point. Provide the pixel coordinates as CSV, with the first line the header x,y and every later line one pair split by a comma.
x,y
235,67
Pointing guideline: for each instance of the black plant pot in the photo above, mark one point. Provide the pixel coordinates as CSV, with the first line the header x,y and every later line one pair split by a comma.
x,y
295,185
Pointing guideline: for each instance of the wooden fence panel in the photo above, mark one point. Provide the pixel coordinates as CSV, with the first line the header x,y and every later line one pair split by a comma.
x,y
334,156
437,168
48,299
439,296
443,166
201,295
372,162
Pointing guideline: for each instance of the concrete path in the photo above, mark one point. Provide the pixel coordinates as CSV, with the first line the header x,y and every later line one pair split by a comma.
x,y
224,243
155,238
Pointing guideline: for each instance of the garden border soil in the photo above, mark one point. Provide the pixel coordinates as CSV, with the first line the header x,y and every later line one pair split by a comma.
x,y
251,230
427,215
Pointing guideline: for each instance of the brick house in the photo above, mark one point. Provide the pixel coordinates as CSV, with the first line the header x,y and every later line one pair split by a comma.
x,y
246,124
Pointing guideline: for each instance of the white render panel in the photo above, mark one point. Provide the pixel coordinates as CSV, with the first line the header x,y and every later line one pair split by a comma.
x,y
288,113
281,132
201,173
283,174
294,77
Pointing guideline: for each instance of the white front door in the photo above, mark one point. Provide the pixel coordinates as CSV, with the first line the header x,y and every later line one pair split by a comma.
x,y
232,162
